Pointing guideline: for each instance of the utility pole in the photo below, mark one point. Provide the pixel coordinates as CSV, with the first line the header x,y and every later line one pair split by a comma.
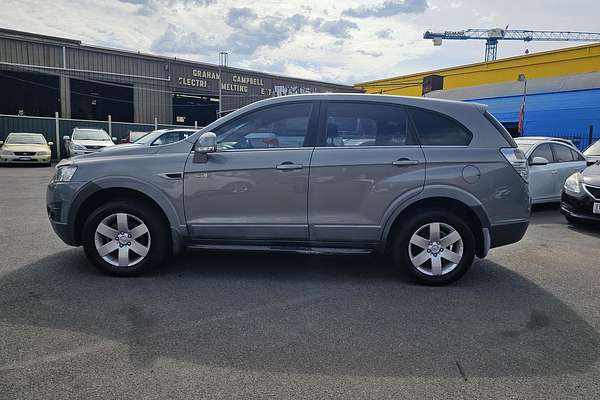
x,y
223,61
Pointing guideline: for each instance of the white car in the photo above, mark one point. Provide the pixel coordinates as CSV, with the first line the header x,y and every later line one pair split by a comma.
x,y
551,162
87,140
592,153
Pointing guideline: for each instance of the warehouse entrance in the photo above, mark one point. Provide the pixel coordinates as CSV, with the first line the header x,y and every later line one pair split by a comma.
x,y
188,109
29,94
95,100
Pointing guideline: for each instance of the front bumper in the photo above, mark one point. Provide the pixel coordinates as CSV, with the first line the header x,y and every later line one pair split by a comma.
x,y
580,207
60,197
14,159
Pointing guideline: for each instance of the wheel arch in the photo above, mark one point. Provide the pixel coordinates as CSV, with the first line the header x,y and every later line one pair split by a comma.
x,y
463,204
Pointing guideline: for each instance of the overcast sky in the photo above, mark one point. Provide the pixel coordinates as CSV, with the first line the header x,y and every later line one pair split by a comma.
x,y
338,41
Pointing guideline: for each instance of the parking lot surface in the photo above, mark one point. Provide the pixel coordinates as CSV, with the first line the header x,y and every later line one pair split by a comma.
x,y
523,323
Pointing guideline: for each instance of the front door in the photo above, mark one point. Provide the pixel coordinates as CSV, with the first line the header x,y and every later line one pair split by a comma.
x,y
367,158
255,186
543,178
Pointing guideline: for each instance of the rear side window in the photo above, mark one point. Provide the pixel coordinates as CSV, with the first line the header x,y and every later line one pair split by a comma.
x,y
562,153
577,156
543,150
434,129
361,124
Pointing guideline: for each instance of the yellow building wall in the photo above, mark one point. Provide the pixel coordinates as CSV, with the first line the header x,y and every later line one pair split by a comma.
x,y
573,60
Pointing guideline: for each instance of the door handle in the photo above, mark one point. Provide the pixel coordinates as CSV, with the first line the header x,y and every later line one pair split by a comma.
x,y
288,165
404,161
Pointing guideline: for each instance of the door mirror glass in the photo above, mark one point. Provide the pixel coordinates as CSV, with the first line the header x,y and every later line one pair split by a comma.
x,y
1,142
114,139
207,143
65,138
50,143
538,161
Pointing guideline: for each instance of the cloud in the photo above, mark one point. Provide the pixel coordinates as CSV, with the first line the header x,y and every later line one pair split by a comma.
x,y
337,28
388,8
174,41
370,53
384,34
150,7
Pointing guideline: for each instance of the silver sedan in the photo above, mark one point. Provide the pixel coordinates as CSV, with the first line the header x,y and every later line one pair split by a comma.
x,y
551,162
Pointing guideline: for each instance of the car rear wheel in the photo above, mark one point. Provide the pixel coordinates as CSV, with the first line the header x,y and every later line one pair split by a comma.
x,y
124,240
435,247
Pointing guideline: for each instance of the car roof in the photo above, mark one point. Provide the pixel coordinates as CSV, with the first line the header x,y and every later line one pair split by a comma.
x,y
26,133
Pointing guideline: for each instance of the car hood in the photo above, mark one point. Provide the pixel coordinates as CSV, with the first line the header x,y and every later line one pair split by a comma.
x,y
25,147
110,153
103,143
591,175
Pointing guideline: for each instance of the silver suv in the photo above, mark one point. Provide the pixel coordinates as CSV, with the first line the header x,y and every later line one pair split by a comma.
x,y
431,183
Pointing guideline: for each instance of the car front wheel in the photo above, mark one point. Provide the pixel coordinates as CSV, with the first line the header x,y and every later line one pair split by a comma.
x,y
124,240
435,247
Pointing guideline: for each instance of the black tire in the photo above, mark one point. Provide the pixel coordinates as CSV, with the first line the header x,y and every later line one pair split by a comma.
x,y
401,240
159,247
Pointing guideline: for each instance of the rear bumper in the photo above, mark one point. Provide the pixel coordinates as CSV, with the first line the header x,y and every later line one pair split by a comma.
x,y
501,235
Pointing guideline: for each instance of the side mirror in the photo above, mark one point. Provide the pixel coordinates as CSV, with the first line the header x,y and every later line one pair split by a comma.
x,y
207,143
538,161
1,142
114,139
50,143
66,138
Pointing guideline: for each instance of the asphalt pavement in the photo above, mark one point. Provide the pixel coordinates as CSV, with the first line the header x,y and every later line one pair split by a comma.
x,y
523,323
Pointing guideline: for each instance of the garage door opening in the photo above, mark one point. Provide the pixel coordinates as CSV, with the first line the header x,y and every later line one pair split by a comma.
x,y
25,93
96,101
189,108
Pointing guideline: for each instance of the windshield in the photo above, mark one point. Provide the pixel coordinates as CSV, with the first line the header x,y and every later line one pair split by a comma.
x,y
593,150
149,137
25,138
90,134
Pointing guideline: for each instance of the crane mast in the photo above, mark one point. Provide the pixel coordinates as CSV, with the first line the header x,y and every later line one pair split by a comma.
x,y
492,36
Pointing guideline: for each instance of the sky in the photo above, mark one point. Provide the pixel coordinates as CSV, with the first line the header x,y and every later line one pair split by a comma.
x,y
335,41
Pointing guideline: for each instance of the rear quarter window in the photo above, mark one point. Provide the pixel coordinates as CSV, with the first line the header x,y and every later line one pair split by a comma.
x,y
435,129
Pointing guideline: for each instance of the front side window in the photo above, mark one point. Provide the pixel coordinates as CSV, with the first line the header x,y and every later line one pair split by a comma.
x,y
279,126
434,129
543,150
562,153
361,124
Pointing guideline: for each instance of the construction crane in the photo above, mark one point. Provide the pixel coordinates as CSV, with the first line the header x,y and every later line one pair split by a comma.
x,y
492,36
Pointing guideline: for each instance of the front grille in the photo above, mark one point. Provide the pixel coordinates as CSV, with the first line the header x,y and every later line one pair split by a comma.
x,y
24,153
93,147
594,191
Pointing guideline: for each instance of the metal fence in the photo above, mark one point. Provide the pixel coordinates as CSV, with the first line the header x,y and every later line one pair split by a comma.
x,y
55,128
582,140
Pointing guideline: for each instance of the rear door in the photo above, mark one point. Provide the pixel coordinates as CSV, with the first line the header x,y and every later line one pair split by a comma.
x,y
567,163
543,178
367,157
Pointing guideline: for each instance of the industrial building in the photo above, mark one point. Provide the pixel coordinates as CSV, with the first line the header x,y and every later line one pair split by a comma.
x,y
561,90
41,75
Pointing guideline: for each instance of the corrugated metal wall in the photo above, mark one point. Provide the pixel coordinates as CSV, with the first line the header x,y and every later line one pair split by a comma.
x,y
154,79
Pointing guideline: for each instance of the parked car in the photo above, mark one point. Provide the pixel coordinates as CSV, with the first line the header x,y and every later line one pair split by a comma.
x,y
87,140
551,162
592,153
165,136
132,136
580,200
25,148
568,142
432,184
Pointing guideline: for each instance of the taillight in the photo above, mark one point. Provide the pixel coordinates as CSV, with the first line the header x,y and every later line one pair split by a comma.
x,y
517,159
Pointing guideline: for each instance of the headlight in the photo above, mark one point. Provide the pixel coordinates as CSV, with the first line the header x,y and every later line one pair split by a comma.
x,y
76,146
64,174
43,153
6,153
573,183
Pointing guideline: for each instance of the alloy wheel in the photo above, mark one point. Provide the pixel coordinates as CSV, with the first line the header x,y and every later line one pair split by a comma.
x,y
122,239
435,249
